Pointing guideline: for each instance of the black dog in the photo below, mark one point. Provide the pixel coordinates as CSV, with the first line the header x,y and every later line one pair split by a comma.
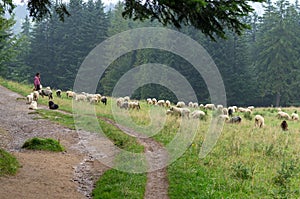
x,y
52,105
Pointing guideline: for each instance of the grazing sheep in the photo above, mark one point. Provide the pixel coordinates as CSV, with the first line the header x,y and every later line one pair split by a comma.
x,y
284,115
169,112
180,104
70,94
58,93
149,101
183,112
197,114
161,102
251,108
295,116
195,105
46,92
120,100
201,106
33,105
225,111
80,97
210,106
29,98
168,103
190,104
244,110
235,108
126,98
259,121
134,105
154,101
284,125
104,100
236,119
52,105
36,95
124,105
220,107
225,117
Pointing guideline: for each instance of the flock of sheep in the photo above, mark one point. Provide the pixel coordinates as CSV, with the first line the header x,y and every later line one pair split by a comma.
x,y
180,109
183,110
33,97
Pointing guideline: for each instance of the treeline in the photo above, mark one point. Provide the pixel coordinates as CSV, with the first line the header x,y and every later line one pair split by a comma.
x,y
259,68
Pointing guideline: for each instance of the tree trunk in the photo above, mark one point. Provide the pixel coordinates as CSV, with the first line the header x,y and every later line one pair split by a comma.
x,y
278,99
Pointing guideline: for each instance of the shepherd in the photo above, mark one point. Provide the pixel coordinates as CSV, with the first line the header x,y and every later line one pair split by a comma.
x,y
37,82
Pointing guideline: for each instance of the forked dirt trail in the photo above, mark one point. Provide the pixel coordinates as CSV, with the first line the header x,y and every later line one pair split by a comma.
x,y
70,174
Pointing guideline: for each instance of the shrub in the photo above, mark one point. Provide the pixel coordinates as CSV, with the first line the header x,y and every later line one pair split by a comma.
x,y
46,144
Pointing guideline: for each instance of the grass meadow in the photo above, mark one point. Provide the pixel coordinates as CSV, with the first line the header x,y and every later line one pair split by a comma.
x,y
246,162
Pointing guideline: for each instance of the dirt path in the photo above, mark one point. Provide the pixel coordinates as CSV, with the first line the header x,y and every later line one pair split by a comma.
x,y
157,181
70,174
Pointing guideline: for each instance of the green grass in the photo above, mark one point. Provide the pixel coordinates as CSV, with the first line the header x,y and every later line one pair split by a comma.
x,y
9,165
246,162
44,144
117,184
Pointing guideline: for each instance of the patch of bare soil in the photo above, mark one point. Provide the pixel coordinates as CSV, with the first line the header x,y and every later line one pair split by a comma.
x,y
69,174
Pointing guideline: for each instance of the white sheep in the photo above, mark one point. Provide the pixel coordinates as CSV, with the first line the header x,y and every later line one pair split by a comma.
x,y
80,97
210,106
244,110
33,105
126,98
259,121
168,103
161,102
197,114
190,104
154,101
120,100
29,98
224,117
180,104
134,105
36,95
251,108
183,112
225,111
195,105
70,94
295,116
58,93
149,101
284,115
219,106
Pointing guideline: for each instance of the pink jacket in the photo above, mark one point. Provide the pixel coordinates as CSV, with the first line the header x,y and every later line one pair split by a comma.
x,y
36,81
